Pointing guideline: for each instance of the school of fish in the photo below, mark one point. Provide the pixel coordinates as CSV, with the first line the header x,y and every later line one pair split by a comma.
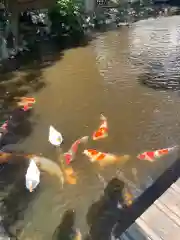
x,y
62,168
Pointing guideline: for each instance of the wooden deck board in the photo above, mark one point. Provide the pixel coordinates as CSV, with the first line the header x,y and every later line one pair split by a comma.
x,y
161,221
171,200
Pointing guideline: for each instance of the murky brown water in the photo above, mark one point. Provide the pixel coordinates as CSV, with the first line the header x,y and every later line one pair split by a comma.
x,y
101,78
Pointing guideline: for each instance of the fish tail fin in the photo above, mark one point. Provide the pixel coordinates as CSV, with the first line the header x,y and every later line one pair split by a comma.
x,y
123,159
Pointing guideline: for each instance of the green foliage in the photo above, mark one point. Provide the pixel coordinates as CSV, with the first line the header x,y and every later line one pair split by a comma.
x,y
66,19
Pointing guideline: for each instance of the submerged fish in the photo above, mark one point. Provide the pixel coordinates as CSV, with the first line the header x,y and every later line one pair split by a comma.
x,y
153,155
70,155
68,172
42,163
50,167
25,102
102,131
104,158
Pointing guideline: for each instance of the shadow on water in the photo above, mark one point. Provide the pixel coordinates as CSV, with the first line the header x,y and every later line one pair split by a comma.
x,y
147,198
21,128
106,218
65,230
15,198
23,74
103,214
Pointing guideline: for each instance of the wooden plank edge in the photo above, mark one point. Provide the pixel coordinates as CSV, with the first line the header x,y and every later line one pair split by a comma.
x,y
168,212
142,224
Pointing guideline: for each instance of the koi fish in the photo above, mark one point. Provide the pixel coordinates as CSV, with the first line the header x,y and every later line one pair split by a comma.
x,y
50,167
102,131
104,158
68,172
42,163
25,102
153,155
70,155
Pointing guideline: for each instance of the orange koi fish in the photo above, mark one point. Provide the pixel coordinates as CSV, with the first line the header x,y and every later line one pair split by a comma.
x,y
102,131
104,158
25,102
70,155
153,155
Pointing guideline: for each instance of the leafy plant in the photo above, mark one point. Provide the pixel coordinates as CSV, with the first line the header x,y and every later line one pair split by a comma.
x,y
66,19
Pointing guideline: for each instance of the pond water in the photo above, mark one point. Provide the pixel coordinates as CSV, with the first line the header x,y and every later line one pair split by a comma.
x,y
108,76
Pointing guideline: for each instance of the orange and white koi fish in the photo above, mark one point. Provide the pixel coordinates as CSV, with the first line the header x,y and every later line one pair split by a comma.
x,y
25,102
153,155
70,155
102,131
104,158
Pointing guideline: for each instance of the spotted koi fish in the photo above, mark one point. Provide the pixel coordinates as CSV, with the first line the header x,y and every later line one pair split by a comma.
x,y
70,155
153,155
104,158
102,131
